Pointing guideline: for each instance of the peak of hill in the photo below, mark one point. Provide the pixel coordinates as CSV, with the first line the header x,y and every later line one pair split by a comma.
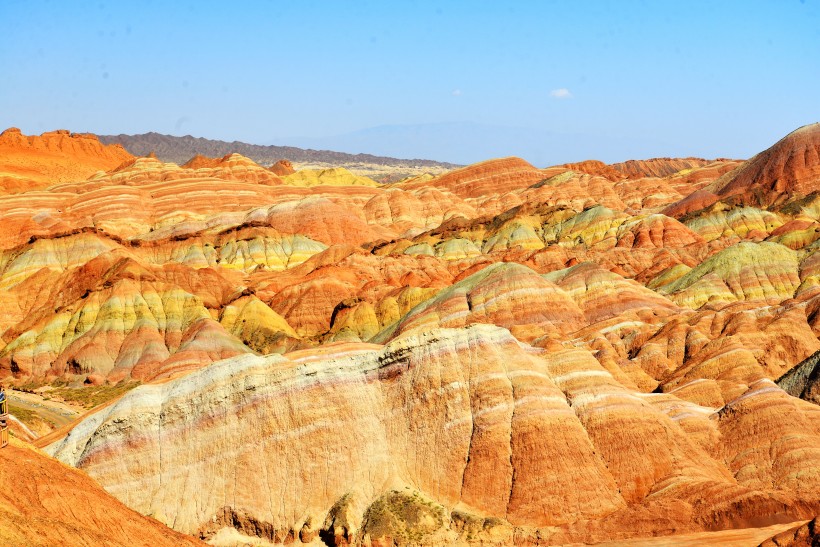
x,y
181,149
484,178
789,169
633,169
28,162
658,167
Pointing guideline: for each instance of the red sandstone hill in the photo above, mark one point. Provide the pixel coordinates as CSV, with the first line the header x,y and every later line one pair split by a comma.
x,y
634,169
44,502
658,167
203,161
282,168
485,178
595,167
228,160
787,170
28,162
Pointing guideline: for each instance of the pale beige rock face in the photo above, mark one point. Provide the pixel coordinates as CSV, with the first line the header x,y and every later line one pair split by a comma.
x,y
476,421
248,433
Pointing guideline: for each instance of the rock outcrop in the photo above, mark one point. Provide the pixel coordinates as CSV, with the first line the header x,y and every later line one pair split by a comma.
x,y
790,169
282,168
445,422
803,380
807,535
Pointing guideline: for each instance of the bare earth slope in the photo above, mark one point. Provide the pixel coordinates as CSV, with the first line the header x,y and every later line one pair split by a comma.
x,y
500,354
461,418
28,162
43,503
789,168
807,535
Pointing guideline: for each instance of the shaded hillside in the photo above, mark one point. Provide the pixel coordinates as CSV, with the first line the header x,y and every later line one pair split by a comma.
x,y
803,380
181,149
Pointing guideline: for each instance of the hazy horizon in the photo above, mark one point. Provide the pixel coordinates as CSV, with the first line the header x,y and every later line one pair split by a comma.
x,y
448,81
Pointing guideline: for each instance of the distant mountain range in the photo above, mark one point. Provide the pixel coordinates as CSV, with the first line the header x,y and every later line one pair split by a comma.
x,y
181,149
470,142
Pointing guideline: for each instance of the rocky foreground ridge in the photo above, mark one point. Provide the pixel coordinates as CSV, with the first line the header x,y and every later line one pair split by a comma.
x,y
455,433
500,354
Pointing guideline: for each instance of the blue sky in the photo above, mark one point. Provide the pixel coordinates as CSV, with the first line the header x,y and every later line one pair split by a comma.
x,y
559,81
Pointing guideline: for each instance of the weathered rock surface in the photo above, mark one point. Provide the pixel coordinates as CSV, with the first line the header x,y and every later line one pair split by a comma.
x,y
787,170
803,380
445,422
807,535
28,162
500,355
44,502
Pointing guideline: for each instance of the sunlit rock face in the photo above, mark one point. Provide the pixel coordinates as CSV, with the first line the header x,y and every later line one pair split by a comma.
x,y
790,169
807,534
470,419
500,354
37,161
45,502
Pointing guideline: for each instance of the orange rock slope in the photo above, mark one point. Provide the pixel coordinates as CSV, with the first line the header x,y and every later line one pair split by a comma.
x,y
501,354
44,502
807,535
28,162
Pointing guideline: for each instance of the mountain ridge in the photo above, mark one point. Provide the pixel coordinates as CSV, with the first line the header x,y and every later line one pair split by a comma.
x,y
181,149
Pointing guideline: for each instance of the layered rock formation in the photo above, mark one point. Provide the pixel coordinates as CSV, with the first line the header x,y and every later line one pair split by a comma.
x,y
28,162
501,354
789,169
457,421
807,535
44,502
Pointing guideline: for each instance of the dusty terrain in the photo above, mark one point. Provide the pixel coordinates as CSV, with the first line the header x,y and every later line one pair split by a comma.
x,y
55,414
28,162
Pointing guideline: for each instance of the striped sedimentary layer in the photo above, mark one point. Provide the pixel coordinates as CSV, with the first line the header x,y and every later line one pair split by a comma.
x,y
45,503
37,161
267,263
501,354
470,423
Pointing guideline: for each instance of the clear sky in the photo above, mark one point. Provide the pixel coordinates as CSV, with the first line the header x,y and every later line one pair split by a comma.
x,y
606,80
